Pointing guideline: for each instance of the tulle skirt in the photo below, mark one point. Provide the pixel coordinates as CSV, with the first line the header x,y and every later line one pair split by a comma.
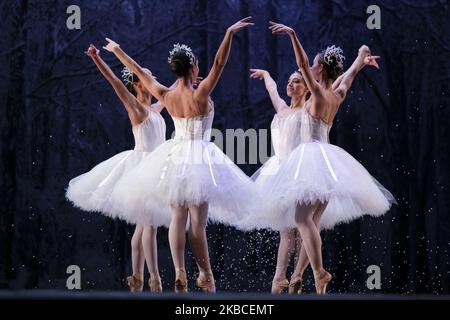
x,y
93,190
183,172
315,172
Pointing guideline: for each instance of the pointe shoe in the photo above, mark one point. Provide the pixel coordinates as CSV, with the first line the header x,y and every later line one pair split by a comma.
x,y
278,286
135,284
322,278
155,284
206,283
181,282
295,285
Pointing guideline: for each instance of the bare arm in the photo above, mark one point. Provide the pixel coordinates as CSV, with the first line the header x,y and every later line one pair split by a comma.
x,y
158,106
129,101
337,82
207,86
364,58
271,87
144,75
300,56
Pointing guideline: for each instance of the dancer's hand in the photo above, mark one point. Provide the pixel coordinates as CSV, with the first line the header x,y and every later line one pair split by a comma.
x,y
368,58
241,24
197,81
258,73
111,45
372,61
92,51
278,28
364,51
147,71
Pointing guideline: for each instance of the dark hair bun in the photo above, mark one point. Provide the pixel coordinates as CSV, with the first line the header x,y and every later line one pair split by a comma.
x,y
180,64
332,61
334,68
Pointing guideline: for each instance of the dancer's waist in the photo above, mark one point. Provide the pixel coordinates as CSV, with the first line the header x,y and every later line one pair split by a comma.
x,y
316,139
192,137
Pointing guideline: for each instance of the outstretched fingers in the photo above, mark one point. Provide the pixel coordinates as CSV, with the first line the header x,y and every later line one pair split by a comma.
x,y
246,19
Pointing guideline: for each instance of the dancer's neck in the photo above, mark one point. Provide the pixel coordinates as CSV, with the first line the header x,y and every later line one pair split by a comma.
x,y
185,84
326,83
297,102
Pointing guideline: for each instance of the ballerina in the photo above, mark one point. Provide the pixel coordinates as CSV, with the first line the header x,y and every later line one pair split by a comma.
x,y
285,129
91,191
325,183
189,173
285,132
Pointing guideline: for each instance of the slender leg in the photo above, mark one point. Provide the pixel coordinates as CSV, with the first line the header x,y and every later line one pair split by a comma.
x,y
312,242
136,281
285,250
177,241
303,261
199,246
150,245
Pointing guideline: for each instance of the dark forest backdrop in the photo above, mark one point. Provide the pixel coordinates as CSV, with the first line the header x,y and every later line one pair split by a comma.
x,y
59,117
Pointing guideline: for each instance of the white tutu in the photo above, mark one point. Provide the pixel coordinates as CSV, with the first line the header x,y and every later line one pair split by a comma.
x,y
314,171
318,172
93,191
188,170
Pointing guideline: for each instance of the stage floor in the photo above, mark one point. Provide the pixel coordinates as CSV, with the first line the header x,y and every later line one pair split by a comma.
x,y
124,295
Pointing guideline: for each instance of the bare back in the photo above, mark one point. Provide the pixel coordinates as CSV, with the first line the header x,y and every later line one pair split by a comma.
x,y
185,103
324,106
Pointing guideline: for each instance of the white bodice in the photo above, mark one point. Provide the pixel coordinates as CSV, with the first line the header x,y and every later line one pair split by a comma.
x,y
195,128
150,133
285,129
313,129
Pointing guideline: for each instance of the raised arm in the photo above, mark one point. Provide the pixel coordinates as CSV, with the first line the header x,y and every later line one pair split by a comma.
x,y
144,75
271,87
364,58
300,56
209,83
337,82
129,101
